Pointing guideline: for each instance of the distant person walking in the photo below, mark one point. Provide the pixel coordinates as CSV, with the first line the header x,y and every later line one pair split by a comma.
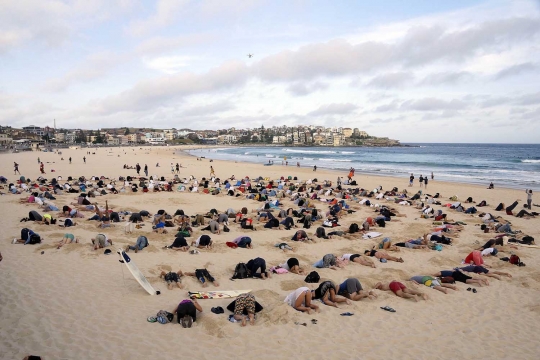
x,y
411,180
421,180
146,170
177,168
529,198
425,182
212,173
42,168
314,167
172,168
16,168
38,161
138,168
70,159
432,176
84,159
351,174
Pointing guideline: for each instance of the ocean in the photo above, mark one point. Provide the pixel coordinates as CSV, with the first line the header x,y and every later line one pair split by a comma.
x,y
507,165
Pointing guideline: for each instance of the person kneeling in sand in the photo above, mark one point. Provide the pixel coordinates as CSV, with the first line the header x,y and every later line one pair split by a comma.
x,y
202,275
461,277
352,289
292,265
432,283
101,241
186,312
142,242
382,255
179,244
401,290
67,239
300,299
359,259
171,278
202,242
245,302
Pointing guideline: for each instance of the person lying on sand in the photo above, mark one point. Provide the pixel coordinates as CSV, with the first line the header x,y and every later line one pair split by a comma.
x,y
301,300
461,277
326,292
352,289
433,283
179,244
172,278
386,244
284,246
213,227
382,255
476,256
202,275
67,239
330,261
497,244
359,259
186,312
481,270
141,243
401,290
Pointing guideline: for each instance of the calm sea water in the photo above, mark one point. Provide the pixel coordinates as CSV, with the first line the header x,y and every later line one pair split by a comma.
x,y
509,165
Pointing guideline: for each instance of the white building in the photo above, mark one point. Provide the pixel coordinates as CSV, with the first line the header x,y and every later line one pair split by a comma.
x,y
155,138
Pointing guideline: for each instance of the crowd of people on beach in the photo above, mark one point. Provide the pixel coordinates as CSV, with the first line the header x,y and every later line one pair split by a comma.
x,y
285,203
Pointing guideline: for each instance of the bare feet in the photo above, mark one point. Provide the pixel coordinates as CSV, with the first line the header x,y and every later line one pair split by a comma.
x,y
425,297
243,321
205,285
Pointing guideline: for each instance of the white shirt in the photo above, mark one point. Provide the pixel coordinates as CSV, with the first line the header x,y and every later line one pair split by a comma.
x,y
487,251
346,256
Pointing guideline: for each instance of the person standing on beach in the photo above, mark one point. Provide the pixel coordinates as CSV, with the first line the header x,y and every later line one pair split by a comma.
x,y
425,182
16,168
432,176
314,167
146,170
70,159
212,173
421,180
529,198
38,161
177,168
42,168
84,159
411,180
138,168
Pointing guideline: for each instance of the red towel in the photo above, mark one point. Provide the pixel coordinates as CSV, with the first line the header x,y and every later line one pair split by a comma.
x,y
231,245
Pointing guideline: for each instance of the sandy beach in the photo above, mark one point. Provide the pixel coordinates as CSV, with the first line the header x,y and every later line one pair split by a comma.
x,y
75,302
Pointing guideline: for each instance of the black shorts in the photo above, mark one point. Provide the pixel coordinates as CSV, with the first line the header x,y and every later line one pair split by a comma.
x,y
186,309
461,277
354,256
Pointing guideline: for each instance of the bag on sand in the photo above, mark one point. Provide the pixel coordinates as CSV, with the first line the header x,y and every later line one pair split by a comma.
x,y
240,271
164,317
353,228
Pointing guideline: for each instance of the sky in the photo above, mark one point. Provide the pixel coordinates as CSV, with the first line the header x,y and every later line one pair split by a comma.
x,y
416,71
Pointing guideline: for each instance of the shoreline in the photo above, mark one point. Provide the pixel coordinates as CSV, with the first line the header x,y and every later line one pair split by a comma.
x,y
343,171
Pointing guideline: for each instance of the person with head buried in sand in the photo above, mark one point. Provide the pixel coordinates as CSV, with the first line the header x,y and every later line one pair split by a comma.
x,y
401,290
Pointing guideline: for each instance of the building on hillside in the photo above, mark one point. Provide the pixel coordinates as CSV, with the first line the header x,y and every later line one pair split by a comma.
x,y
112,140
155,138
226,139
60,137
70,137
338,139
5,139
36,130
347,132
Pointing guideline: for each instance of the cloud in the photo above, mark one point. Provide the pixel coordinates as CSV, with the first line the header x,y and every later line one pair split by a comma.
x,y
165,14
529,99
210,109
301,88
446,78
166,44
168,64
334,109
433,104
163,90
390,80
391,106
516,70
94,67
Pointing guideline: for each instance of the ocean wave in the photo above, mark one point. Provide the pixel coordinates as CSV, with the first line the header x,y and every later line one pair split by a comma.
x,y
531,161
311,151
270,156
348,152
338,160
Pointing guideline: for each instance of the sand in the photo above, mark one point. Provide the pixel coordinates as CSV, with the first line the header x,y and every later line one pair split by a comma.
x,y
78,303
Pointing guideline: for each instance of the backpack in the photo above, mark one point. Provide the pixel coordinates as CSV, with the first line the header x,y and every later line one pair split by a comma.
x,y
240,271
320,232
313,277
179,212
307,224
381,222
353,228
527,240
35,239
515,260
164,317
